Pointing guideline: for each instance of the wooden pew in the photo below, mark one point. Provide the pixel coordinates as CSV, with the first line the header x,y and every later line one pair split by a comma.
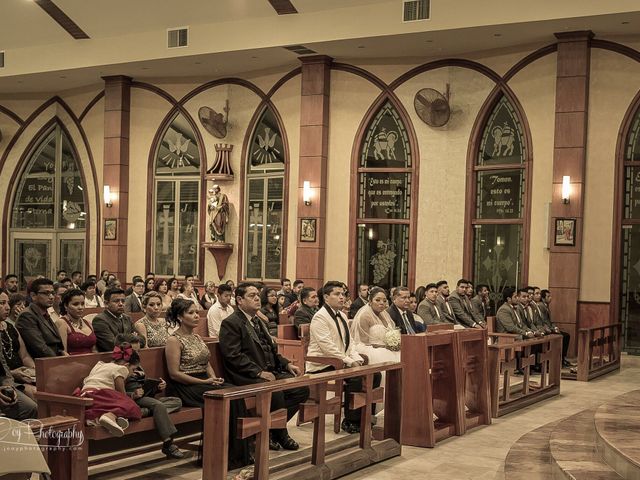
x,y
505,397
57,378
59,438
349,456
291,346
598,352
429,387
445,374
474,400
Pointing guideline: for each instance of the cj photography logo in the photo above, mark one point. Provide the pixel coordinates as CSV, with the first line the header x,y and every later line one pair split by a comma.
x,y
16,436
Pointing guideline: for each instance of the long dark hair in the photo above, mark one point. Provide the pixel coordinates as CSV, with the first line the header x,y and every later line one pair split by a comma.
x,y
177,308
264,298
66,298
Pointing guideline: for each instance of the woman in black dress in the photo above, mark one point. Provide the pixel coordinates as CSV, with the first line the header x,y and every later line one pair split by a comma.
x,y
192,375
269,301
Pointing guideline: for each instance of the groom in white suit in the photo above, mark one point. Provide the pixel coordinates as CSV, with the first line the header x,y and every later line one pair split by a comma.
x,y
330,337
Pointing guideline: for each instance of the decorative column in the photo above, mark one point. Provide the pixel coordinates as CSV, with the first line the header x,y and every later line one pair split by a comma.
x,y
569,158
314,138
115,173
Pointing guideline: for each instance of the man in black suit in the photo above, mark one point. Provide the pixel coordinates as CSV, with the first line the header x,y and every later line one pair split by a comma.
x,y
112,321
308,307
461,306
361,301
35,325
250,356
429,310
133,303
400,313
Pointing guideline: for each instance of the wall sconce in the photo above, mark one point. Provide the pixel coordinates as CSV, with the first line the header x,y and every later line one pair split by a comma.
x,y
108,201
306,192
566,189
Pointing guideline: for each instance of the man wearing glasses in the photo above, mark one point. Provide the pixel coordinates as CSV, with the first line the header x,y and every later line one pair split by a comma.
x,y
113,321
36,327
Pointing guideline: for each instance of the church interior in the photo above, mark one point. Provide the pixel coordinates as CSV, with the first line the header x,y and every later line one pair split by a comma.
x,y
394,237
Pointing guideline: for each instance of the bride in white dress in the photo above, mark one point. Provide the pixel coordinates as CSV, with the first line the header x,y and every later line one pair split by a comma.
x,y
368,331
370,326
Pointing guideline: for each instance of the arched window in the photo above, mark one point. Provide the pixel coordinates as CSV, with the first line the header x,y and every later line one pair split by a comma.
x,y
176,201
384,209
48,215
264,200
630,281
499,212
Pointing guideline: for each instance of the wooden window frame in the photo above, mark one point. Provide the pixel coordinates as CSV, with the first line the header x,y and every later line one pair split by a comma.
x,y
472,184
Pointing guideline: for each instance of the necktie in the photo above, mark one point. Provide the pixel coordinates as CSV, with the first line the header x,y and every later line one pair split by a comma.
x,y
446,302
346,339
407,325
517,317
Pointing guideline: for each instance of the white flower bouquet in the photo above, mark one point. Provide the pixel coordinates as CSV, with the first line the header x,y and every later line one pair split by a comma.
x,y
392,339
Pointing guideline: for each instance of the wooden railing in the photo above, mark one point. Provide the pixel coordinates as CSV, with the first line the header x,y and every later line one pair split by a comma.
x,y
598,351
446,390
507,397
216,422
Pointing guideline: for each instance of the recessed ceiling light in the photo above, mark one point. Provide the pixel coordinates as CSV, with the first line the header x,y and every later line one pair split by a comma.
x,y
497,34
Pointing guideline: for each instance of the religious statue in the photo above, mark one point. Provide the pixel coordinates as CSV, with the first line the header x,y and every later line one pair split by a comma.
x,y
218,210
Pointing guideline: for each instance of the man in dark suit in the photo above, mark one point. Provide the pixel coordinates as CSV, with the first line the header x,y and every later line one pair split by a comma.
x,y
480,303
461,306
400,313
250,356
442,301
133,303
112,321
541,300
508,319
35,325
429,310
361,301
129,290
308,307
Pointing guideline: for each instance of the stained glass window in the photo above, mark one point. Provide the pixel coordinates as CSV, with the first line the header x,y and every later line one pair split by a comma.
x,y
177,200
385,183
500,187
267,150
264,214
48,213
630,272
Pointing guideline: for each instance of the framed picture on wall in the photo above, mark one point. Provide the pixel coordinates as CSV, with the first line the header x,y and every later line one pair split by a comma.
x,y
110,229
307,229
565,232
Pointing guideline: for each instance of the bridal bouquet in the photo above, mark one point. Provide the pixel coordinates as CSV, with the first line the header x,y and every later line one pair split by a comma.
x,y
392,340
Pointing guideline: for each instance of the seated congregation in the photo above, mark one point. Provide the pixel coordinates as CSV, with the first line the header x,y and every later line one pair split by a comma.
x,y
238,323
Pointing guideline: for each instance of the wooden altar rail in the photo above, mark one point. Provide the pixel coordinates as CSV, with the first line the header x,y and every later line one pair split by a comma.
x,y
216,423
505,397
446,375
598,352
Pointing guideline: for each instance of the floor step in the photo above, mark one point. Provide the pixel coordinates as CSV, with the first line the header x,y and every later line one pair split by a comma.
x,y
530,457
617,425
574,453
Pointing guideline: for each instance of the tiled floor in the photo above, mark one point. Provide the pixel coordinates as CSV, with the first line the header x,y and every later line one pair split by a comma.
x,y
478,455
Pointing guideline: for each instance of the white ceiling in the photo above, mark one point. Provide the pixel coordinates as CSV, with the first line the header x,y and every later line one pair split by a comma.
x,y
149,14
